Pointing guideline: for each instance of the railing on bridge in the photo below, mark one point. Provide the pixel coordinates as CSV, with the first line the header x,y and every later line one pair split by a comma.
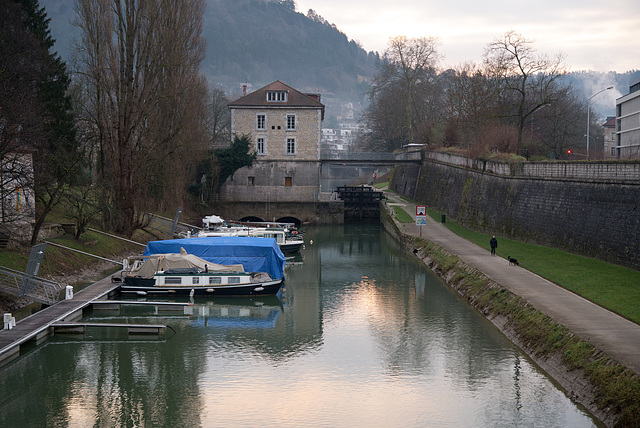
x,y
373,157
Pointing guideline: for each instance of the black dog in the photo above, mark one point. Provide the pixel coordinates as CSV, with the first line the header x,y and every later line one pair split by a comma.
x,y
512,261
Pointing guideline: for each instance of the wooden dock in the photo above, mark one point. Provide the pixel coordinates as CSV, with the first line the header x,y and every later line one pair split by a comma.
x,y
38,326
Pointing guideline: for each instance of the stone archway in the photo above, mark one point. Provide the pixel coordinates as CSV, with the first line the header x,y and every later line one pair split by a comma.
x,y
289,219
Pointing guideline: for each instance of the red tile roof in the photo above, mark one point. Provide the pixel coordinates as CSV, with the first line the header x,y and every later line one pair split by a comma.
x,y
295,98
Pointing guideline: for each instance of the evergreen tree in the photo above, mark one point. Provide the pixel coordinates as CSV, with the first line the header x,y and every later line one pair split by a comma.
x,y
235,157
35,108
57,158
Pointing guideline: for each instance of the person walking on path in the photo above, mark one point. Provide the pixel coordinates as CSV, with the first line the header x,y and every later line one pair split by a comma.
x,y
493,242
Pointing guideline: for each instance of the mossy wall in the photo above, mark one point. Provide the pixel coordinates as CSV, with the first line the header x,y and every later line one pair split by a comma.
x,y
595,218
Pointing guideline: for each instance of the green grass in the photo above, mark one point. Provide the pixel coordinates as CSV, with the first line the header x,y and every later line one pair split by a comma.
x,y
401,215
61,261
611,286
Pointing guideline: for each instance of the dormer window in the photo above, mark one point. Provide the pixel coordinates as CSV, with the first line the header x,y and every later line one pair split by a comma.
x,y
277,96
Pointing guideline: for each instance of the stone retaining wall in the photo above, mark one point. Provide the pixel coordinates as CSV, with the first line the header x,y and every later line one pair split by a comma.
x,y
608,171
596,218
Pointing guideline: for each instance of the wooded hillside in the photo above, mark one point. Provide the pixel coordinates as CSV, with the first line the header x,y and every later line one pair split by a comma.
x,y
259,42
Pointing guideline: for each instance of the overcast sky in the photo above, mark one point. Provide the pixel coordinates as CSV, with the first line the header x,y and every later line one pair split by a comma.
x,y
594,35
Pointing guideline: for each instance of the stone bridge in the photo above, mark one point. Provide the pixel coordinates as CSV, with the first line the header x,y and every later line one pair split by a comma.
x,y
372,158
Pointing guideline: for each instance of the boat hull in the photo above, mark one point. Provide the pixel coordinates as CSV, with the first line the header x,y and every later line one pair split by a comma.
x,y
147,286
291,247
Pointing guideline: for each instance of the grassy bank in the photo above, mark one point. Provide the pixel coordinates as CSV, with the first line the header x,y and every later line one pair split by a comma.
x,y
69,267
59,261
614,287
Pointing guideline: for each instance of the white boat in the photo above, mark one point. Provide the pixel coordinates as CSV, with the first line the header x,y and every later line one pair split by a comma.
x,y
287,237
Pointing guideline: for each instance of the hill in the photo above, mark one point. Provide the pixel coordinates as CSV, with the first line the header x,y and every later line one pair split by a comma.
x,y
258,42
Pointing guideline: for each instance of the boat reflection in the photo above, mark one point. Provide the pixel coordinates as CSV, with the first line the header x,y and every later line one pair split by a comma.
x,y
236,313
295,261
227,312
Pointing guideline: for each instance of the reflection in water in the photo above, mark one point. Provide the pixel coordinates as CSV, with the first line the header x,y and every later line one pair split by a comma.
x,y
362,335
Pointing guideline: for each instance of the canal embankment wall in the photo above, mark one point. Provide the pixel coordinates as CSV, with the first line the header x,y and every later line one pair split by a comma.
x,y
588,208
591,378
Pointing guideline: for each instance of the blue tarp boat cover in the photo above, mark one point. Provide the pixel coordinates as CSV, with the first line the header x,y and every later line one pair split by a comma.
x,y
255,254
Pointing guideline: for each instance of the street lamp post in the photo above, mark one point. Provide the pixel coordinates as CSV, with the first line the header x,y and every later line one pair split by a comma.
x,y
589,111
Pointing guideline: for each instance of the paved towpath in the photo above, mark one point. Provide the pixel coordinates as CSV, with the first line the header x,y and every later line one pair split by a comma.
x,y
616,336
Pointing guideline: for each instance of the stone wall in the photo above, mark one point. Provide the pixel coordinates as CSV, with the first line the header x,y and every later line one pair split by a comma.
x,y
596,218
611,171
328,212
274,181
275,134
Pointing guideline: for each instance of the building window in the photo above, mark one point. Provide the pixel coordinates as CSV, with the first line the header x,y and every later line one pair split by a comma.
x,y
276,96
251,181
291,146
261,121
291,121
260,149
613,151
288,181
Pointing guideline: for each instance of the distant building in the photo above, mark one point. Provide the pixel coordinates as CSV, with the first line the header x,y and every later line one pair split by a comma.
x,y
284,125
610,138
336,142
17,197
628,123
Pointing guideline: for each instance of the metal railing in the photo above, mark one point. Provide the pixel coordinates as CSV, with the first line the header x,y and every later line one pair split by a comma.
x,y
29,286
372,156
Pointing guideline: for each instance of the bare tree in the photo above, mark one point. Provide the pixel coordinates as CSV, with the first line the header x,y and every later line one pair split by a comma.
x,y
471,104
143,99
385,121
558,127
219,118
83,205
407,64
525,78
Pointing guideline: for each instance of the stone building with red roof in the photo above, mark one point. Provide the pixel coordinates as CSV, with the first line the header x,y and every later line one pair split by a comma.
x,y
285,127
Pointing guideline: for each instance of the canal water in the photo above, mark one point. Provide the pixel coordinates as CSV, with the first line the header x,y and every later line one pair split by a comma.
x,y
363,336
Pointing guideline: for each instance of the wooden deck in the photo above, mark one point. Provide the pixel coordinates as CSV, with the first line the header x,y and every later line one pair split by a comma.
x,y
38,326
